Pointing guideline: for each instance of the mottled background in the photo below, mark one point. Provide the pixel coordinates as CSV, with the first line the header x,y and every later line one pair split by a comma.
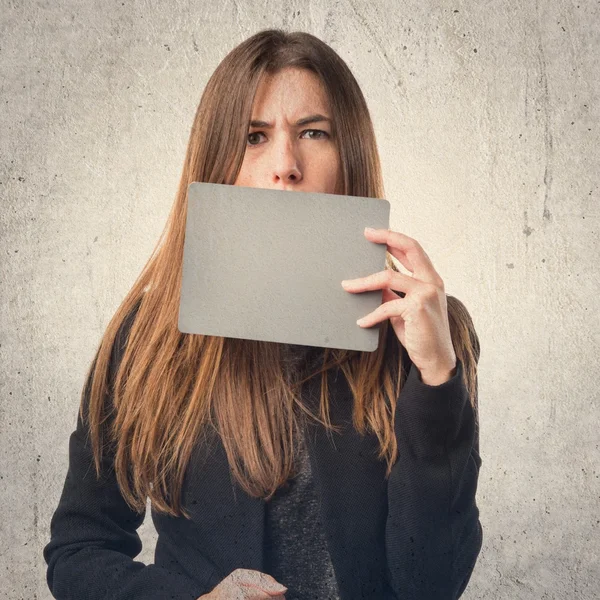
x,y
486,115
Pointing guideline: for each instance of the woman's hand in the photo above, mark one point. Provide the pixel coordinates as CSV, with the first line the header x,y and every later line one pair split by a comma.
x,y
420,317
246,584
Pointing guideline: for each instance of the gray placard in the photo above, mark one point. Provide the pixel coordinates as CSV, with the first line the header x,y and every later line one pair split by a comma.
x,y
267,265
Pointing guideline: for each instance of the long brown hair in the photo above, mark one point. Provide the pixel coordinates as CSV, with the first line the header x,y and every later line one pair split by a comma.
x,y
167,387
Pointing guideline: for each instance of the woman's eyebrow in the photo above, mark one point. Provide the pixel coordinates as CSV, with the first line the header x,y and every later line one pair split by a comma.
x,y
317,118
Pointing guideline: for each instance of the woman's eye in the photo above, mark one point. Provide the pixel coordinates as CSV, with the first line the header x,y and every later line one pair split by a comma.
x,y
316,131
253,133
325,134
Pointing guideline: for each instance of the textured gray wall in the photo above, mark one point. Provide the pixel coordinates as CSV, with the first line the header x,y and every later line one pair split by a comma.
x,y
487,122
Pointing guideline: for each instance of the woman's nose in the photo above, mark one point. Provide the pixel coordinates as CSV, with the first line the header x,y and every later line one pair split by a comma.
x,y
286,162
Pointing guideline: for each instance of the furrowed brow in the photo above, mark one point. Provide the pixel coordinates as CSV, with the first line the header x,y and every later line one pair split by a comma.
x,y
317,118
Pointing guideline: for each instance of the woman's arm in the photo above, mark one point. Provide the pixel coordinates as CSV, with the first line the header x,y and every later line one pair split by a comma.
x,y
94,536
433,533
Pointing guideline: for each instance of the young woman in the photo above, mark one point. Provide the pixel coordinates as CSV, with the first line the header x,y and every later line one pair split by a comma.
x,y
277,470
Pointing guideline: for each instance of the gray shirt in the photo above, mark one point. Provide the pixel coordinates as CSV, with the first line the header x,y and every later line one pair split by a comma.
x,y
296,552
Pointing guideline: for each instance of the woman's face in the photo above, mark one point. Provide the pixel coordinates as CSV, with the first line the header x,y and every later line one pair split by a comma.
x,y
281,154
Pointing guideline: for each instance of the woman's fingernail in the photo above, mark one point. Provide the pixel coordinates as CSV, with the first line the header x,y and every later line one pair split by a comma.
x,y
369,229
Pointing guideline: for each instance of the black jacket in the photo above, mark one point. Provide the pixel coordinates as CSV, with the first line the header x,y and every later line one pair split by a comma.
x,y
414,536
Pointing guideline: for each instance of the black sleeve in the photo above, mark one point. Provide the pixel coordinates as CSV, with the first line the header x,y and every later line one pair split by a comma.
x,y
93,537
433,533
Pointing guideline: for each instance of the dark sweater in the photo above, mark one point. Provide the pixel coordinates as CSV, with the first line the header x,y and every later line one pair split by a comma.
x,y
413,535
295,549
296,552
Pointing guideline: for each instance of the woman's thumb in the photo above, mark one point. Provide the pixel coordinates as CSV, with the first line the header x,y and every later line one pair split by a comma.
x,y
259,579
273,585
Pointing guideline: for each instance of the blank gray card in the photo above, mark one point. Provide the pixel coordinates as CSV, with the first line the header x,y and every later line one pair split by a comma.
x,y
267,264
